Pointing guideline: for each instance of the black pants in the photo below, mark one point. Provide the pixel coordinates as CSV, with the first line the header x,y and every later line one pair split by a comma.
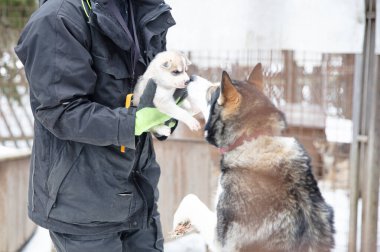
x,y
149,240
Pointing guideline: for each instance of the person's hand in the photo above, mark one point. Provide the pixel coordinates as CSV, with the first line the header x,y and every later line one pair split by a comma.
x,y
147,115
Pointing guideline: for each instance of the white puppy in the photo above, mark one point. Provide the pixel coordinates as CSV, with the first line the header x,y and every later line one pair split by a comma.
x,y
168,70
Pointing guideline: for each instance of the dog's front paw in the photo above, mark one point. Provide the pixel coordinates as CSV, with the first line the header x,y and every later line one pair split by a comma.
x,y
162,130
181,229
186,214
193,124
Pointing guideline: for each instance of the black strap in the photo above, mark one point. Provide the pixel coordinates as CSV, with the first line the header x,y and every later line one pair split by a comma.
x,y
135,53
134,25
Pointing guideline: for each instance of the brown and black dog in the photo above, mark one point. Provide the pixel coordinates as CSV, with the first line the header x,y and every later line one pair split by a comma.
x,y
268,198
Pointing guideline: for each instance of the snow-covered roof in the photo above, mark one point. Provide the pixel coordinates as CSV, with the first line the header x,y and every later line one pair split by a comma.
x,y
304,115
7,153
338,130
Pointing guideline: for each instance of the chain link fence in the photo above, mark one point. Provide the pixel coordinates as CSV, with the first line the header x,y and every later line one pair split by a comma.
x,y
314,90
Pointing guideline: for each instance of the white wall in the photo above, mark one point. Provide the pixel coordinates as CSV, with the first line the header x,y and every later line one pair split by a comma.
x,y
305,25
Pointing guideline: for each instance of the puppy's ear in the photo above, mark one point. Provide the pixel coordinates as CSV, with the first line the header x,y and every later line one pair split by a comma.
x,y
228,93
256,77
166,65
187,61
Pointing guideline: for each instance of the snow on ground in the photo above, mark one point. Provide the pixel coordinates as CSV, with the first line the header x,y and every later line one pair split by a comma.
x,y
338,199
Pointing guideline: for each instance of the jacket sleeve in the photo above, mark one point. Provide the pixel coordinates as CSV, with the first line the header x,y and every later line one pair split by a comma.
x,y
58,66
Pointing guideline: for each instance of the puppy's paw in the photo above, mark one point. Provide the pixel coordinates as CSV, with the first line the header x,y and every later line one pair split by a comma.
x,y
162,130
186,212
181,229
193,124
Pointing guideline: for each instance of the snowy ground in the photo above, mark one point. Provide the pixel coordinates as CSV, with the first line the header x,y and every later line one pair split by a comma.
x,y
338,199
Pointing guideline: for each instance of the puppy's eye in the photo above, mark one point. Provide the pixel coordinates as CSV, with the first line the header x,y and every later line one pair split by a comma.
x,y
176,72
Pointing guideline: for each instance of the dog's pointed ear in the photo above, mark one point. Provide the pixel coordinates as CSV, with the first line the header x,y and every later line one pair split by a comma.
x,y
228,92
166,65
256,77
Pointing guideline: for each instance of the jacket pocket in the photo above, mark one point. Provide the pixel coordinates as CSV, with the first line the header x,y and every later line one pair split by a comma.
x,y
112,67
60,168
89,190
112,81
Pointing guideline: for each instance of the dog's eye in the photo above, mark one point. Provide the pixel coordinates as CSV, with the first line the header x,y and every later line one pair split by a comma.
x,y
176,72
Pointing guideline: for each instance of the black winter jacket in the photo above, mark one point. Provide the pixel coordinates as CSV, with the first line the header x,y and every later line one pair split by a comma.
x,y
80,70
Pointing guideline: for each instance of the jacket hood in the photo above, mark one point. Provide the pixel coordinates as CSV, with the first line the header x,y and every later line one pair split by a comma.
x,y
41,2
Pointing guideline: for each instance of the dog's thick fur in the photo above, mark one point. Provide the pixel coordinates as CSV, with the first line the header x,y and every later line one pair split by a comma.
x,y
168,70
268,199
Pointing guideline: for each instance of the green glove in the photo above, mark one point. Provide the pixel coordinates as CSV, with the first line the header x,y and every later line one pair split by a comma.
x,y
148,116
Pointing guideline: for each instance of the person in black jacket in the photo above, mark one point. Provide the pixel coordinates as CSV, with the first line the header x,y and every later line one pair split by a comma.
x,y
81,59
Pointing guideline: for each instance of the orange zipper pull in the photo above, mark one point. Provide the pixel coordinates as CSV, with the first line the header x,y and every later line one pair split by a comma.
x,y
128,101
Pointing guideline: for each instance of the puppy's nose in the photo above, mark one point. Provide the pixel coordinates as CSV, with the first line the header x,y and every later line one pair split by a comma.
x,y
192,78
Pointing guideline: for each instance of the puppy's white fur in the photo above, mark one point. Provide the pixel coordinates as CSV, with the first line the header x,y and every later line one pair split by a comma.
x,y
168,70
199,94
201,218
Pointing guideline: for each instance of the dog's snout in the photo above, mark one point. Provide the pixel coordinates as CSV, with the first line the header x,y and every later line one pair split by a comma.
x,y
192,78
